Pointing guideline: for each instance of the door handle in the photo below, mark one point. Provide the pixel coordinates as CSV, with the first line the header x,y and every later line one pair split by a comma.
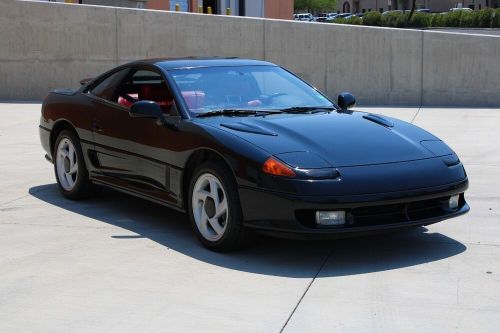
x,y
96,126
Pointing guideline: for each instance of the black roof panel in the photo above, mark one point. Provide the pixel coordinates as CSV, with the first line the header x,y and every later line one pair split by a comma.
x,y
193,62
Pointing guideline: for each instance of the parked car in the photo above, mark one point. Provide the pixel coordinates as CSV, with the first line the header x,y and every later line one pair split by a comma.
x,y
393,11
342,15
303,17
422,10
244,146
326,17
360,15
459,9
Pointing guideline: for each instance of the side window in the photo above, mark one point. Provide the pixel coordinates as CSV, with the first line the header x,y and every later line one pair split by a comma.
x,y
106,89
146,85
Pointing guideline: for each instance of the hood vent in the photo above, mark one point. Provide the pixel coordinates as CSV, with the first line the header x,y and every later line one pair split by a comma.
x,y
249,128
379,120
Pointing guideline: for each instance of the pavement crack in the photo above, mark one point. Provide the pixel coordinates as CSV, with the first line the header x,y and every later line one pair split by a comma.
x,y
323,263
56,225
3,204
482,244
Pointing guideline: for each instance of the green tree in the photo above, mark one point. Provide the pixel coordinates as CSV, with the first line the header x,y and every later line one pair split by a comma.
x,y
413,7
316,5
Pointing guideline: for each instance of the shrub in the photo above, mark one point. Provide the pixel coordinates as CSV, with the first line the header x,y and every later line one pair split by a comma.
x,y
495,19
390,19
452,19
468,19
484,18
420,20
437,20
354,20
402,21
339,20
372,18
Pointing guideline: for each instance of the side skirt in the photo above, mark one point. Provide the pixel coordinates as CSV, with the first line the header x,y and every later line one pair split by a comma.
x,y
138,194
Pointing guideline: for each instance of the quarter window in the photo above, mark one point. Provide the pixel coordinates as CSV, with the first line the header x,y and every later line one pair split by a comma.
x,y
106,89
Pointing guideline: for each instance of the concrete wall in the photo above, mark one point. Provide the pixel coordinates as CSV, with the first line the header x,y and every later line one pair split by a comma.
x,y
47,45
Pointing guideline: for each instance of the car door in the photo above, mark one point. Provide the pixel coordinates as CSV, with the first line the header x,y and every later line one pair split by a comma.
x,y
135,154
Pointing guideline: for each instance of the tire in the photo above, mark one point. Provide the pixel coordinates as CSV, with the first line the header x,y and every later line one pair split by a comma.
x,y
69,167
210,187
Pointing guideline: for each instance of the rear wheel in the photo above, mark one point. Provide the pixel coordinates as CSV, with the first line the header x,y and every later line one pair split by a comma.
x,y
69,166
214,208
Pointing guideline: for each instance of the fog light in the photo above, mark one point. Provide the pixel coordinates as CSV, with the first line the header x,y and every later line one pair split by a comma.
x,y
453,202
330,218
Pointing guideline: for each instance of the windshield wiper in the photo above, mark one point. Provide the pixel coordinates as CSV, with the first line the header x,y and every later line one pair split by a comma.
x,y
301,109
235,112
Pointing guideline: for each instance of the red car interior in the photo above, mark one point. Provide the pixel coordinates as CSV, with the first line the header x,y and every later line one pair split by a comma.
x,y
151,92
157,93
126,103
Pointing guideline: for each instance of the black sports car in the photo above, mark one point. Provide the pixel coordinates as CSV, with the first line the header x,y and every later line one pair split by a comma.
x,y
245,146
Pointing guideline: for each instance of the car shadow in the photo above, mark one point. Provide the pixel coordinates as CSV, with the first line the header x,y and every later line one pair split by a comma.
x,y
270,256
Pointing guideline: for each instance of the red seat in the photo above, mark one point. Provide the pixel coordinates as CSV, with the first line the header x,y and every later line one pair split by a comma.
x,y
157,93
126,103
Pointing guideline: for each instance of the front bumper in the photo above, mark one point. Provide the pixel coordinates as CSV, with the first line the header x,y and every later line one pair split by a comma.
x,y
293,216
45,141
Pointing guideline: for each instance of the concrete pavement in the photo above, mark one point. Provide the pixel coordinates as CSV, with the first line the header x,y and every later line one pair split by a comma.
x,y
117,263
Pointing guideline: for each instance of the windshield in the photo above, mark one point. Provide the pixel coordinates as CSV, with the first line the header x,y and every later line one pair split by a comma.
x,y
244,87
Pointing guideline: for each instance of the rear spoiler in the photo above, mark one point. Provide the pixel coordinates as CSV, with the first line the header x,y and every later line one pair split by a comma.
x,y
85,81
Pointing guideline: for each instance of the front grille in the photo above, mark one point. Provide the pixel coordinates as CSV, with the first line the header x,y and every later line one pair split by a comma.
x,y
389,214
384,214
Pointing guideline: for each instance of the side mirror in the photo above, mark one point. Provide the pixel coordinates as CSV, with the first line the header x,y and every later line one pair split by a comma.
x,y
346,101
145,109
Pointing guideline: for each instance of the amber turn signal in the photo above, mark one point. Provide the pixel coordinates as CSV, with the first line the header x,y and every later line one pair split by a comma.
x,y
274,167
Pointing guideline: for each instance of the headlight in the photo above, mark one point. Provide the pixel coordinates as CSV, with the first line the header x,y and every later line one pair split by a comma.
x,y
304,165
437,147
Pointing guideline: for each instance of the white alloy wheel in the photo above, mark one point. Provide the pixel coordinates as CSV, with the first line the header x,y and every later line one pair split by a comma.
x,y
66,164
209,205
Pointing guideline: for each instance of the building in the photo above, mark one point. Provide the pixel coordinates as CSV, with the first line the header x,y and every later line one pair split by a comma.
x,y
280,9
113,3
362,6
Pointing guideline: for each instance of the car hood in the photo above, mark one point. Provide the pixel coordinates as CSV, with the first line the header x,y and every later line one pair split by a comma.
x,y
339,138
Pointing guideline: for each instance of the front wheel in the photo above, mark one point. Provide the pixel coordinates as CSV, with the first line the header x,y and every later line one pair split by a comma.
x,y
69,166
214,208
